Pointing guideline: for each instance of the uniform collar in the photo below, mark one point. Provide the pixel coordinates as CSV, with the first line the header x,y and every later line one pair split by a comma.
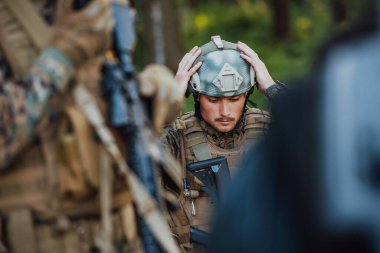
x,y
229,140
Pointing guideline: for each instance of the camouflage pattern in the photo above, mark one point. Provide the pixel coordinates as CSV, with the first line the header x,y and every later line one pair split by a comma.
x,y
223,141
171,136
223,72
22,104
275,90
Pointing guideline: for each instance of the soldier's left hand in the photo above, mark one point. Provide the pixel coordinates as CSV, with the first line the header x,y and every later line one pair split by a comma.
x,y
263,78
157,82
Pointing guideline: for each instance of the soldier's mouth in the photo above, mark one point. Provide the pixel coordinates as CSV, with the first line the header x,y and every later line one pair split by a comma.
x,y
225,122
224,119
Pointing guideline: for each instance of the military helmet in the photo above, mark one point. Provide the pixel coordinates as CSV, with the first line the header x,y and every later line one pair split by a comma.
x,y
223,72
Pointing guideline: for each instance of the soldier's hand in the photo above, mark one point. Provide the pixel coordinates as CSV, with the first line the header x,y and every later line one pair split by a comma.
x,y
185,71
263,78
84,34
157,82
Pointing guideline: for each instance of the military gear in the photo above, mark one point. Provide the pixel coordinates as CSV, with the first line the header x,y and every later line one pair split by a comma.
x,y
62,194
23,34
146,205
23,104
134,125
83,34
190,140
223,72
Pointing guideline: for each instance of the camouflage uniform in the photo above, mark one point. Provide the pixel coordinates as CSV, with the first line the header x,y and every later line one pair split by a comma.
x,y
36,207
191,139
21,107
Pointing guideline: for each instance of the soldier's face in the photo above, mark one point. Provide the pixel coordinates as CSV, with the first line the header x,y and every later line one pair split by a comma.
x,y
222,113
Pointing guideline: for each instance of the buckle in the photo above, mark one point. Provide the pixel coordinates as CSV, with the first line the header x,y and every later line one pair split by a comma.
x,y
217,41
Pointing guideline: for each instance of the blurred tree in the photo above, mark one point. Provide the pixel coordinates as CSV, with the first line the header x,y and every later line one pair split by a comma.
x,y
228,1
161,32
194,3
339,10
281,19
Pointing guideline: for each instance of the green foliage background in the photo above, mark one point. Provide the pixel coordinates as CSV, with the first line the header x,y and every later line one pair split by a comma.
x,y
251,21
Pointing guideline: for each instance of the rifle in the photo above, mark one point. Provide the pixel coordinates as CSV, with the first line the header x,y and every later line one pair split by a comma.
x,y
128,113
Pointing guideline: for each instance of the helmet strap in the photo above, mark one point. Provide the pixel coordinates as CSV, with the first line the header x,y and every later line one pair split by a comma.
x,y
197,107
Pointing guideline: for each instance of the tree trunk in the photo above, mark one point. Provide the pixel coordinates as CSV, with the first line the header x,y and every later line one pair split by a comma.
x,y
228,1
339,10
161,33
193,3
281,22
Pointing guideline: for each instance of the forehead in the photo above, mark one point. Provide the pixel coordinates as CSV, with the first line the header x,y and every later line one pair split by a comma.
x,y
199,95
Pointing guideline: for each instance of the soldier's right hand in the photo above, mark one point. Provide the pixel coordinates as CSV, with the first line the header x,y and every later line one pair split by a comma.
x,y
185,69
84,34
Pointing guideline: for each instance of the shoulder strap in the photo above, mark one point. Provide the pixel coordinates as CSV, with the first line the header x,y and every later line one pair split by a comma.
x,y
21,231
87,145
256,123
195,138
23,33
198,143
34,25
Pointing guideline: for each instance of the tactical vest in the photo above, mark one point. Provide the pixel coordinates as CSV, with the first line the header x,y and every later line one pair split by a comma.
x,y
197,147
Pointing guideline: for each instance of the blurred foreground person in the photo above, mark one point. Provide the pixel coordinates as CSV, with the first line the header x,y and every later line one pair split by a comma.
x,y
221,75
313,184
58,189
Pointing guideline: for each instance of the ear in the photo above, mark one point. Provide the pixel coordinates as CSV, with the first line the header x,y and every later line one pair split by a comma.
x,y
196,96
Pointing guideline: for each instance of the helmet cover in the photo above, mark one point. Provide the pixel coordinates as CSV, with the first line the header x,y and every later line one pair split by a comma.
x,y
223,72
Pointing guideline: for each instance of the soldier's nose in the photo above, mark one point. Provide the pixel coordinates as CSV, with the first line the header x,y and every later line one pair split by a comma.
x,y
224,109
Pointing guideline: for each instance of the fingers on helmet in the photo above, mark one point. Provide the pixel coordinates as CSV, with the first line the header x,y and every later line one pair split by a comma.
x,y
195,68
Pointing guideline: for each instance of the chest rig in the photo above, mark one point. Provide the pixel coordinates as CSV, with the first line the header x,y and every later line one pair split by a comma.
x,y
198,145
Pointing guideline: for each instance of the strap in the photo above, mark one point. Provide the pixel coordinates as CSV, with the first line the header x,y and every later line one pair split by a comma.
x,y
21,231
104,237
23,34
48,147
146,205
193,137
128,219
3,249
87,146
255,116
202,151
255,133
198,143
32,22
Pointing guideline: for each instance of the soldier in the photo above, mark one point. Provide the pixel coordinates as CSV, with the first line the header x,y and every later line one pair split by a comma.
x,y
55,175
221,76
